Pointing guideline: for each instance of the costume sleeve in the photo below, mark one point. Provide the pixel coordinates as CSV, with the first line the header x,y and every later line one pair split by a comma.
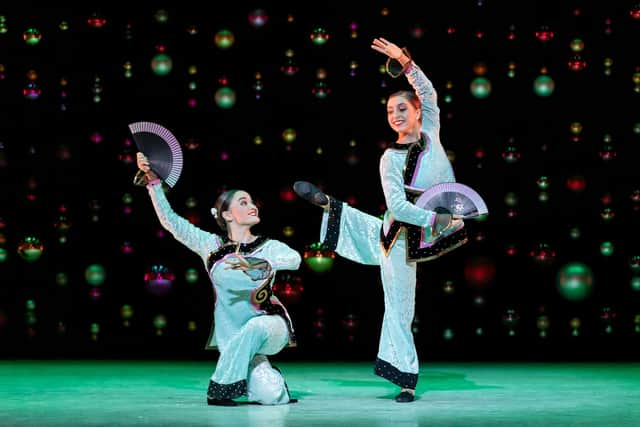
x,y
428,97
196,239
394,194
280,256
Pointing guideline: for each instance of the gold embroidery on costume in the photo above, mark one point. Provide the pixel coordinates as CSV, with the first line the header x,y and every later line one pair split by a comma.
x,y
262,293
385,242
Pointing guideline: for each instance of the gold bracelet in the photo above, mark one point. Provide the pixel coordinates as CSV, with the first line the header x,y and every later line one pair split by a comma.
x,y
393,66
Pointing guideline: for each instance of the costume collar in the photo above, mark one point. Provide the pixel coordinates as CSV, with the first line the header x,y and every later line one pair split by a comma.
x,y
245,248
229,246
421,142
402,147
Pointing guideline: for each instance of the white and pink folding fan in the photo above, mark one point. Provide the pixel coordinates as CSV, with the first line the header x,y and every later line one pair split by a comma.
x,y
161,148
454,198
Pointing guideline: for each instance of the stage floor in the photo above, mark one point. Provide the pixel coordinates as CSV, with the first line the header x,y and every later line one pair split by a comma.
x,y
172,393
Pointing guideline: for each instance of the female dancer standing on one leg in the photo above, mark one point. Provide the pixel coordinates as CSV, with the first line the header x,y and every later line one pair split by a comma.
x,y
407,234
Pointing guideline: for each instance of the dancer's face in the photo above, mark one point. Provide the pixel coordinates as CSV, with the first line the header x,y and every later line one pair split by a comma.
x,y
242,210
402,115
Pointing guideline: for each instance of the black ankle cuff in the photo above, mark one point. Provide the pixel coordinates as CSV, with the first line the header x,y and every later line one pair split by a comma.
x,y
226,391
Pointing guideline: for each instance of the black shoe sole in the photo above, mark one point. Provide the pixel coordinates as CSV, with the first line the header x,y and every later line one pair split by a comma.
x,y
221,402
310,193
405,397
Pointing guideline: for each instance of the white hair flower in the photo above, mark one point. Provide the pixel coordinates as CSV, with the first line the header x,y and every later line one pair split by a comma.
x,y
214,212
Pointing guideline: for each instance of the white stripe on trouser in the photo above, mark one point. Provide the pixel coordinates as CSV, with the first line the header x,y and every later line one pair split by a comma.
x,y
359,241
399,283
245,358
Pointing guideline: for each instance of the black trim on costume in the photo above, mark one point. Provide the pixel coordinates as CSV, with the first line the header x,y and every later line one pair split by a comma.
x,y
387,240
395,146
411,161
446,244
333,226
226,391
389,372
415,148
412,195
229,246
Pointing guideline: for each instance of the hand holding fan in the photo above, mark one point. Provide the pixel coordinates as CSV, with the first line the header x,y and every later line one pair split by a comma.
x,y
452,198
162,149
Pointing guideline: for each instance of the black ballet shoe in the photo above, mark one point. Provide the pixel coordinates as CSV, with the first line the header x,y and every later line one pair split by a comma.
x,y
221,402
311,193
405,397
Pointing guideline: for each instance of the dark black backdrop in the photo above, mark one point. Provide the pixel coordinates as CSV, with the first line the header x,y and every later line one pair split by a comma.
x,y
349,127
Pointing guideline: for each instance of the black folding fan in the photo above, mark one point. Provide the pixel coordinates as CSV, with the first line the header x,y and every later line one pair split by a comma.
x,y
161,148
453,198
